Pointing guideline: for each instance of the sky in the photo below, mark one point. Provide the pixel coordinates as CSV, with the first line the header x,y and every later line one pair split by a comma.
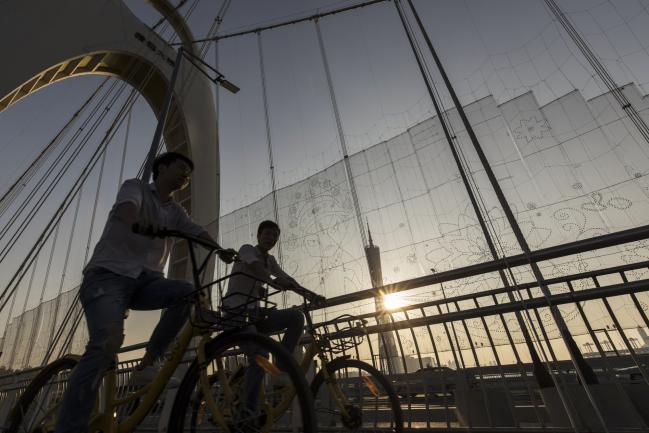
x,y
502,48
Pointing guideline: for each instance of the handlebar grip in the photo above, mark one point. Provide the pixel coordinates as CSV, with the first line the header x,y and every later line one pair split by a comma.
x,y
143,230
162,232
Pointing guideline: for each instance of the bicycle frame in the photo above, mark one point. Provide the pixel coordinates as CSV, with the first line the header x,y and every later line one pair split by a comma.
x,y
313,350
106,418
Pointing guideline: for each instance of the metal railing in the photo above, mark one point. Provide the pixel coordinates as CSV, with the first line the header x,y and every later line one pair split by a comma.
x,y
459,362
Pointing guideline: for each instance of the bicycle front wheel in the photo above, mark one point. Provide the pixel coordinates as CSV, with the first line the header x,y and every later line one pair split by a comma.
x,y
238,389
38,405
357,397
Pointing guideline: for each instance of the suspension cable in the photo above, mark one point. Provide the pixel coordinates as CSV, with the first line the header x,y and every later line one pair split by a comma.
x,y
47,232
55,338
39,313
313,17
59,214
108,137
64,157
126,135
134,95
62,154
162,20
94,207
582,369
600,69
341,135
218,20
12,220
8,292
21,316
269,138
73,327
269,145
50,188
66,262
14,190
456,152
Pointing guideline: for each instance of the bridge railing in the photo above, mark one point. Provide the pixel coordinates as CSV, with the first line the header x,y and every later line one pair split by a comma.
x,y
464,361
496,381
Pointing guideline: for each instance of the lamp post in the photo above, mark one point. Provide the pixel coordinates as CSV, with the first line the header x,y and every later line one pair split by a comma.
x,y
199,64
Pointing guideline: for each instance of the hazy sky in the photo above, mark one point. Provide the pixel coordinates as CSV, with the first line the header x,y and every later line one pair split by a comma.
x,y
498,47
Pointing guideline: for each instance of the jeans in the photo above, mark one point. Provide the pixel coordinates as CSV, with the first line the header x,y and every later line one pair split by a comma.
x,y
105,297
292,322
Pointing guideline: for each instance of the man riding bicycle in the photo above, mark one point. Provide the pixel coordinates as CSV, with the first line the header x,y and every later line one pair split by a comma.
x,y
126,272
243,296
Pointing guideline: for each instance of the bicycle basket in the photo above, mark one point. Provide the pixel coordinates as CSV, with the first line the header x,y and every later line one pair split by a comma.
x,y
347,333
247,311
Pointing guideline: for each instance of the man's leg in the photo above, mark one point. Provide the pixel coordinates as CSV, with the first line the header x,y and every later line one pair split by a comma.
x,y
292,322
104,297
155,292
253,378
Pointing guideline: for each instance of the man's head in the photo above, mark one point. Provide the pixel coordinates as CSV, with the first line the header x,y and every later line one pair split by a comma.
x,y
267,235
173,169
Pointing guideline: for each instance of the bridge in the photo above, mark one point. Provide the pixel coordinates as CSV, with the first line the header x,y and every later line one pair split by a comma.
x,y
491,245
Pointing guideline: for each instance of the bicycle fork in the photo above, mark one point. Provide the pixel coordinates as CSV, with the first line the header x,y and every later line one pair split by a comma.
x,y
204,380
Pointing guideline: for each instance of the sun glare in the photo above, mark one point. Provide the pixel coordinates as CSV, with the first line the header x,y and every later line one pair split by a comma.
x,y
393,300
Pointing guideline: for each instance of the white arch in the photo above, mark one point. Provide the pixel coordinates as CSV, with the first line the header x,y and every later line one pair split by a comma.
x,y
56,40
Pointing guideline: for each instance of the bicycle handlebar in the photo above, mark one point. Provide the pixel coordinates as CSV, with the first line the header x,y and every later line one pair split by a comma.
x,y
213,247
164,232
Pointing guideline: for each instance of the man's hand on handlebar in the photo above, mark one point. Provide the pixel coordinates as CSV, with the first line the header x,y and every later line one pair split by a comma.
x,y
147,228
227,255
153,229
317,300
313,298
286,283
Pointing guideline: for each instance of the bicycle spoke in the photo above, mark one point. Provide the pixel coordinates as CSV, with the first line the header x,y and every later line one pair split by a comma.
x,y
358,399
37,407
236,390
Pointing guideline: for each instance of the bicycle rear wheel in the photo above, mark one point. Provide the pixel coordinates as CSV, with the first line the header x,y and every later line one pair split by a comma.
x,y
37,407
222,379
360,398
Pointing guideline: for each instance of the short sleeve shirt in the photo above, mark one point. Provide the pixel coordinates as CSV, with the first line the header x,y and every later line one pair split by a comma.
x,y
125,253
244,291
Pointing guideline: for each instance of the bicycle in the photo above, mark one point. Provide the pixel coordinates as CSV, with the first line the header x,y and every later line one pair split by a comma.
x,y
349,394
36,409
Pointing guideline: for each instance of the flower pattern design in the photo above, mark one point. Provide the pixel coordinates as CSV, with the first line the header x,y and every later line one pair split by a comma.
x,y
531,129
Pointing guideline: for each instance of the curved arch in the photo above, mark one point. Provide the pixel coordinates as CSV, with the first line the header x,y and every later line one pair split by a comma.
x,y
105,38
170,12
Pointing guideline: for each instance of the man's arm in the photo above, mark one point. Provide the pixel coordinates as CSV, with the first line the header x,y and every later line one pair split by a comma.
x,y
287,282
254,265
127,212
282,279
128,202
185,224
226,255
258,270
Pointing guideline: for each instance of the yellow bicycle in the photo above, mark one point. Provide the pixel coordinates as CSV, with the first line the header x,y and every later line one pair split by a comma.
x,y
121,408
349,394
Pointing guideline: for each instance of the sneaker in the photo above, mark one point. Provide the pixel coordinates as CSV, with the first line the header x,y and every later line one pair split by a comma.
x,y
144,376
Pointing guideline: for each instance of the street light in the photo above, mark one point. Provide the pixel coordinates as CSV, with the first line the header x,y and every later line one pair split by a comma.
x,y
199,63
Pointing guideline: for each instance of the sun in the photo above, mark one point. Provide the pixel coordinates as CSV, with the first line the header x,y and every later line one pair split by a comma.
x,y
393,301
